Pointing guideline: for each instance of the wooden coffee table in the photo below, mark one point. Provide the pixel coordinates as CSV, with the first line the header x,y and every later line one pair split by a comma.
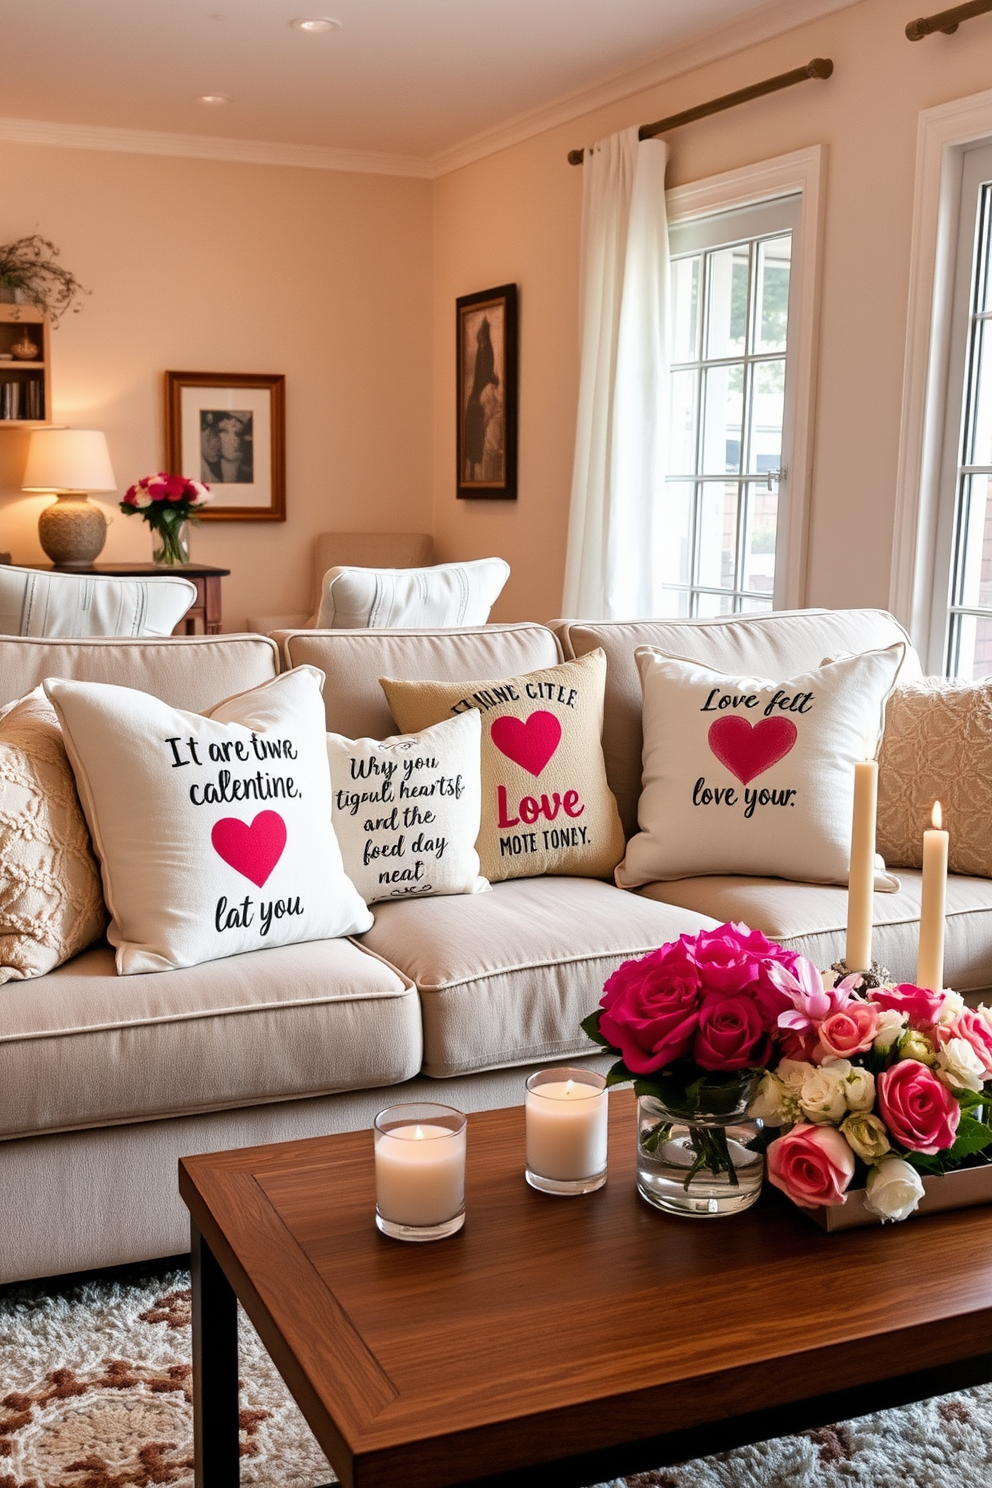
x,y
591,1333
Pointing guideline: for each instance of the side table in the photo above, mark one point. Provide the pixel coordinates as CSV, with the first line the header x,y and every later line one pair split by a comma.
x,y
206,607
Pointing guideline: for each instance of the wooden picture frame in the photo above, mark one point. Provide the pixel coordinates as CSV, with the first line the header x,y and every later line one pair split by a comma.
x,y
486,394
228,429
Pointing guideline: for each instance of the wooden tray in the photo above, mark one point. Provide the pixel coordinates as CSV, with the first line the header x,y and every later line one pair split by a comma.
x,y
958,1190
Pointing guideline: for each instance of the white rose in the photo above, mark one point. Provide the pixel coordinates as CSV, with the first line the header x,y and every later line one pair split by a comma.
x,y
894,1189
959,1066
951,1007
915,1045
822,1095
771,1102
866,1136
890,1025
859,1089
792,1073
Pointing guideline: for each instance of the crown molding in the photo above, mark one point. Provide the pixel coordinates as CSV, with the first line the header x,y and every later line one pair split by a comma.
x,y
771,20
209,147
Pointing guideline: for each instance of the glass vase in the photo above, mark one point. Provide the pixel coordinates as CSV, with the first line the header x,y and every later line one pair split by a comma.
x,y
698,1163
170,543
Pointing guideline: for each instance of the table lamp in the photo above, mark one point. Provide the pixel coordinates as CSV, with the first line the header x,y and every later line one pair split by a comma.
x,y
70,463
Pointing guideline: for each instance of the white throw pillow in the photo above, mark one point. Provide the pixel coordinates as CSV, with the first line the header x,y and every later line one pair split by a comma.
x,y
34,603
743,775
406,810
445,594
213,832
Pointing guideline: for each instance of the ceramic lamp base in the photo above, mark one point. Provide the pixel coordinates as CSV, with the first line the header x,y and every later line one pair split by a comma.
x,y
72,531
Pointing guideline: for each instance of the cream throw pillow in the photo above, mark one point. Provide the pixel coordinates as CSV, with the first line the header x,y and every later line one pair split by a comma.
x,y
51,904
937,746
214,833
406,810
443,594
546,806
743,775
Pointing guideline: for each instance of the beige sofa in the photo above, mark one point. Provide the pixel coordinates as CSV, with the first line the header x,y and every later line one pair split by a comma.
x,y
106,1081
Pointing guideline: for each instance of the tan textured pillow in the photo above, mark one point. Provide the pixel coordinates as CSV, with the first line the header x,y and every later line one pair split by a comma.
x,y
937,746
546,806
51,902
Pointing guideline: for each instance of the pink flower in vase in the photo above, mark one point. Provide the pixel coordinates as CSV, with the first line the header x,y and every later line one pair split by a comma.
x,y
812,1003
731,1033
651,1008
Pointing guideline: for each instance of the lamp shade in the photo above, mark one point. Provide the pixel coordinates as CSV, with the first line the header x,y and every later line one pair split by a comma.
x,y
68,460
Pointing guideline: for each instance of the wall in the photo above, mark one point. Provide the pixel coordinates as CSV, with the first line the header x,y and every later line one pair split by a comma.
x,y
208,266
515,216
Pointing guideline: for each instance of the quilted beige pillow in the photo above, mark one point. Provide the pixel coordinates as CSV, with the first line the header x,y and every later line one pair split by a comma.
x,y
546,806
51,902
937,746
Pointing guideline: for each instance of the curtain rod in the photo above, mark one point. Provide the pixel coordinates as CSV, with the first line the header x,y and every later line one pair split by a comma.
x,y
820,67
946,20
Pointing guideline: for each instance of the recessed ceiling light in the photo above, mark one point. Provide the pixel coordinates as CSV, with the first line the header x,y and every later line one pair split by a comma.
x,y
315,25
213,98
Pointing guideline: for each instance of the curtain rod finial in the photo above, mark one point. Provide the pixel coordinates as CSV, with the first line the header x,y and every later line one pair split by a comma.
x,y
575,157
820,67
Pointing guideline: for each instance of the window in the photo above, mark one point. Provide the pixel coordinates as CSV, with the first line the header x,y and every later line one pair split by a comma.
x,y
732,391
961,632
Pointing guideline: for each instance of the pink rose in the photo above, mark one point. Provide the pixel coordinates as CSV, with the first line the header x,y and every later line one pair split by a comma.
x,y
919,1111
850,1031
731,1033
971,1027
734,957
651,1008
811,1164
920,1006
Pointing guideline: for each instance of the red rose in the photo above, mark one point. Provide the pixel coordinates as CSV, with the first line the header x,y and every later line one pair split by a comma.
x,y
733,956
920,1112
920,1006
651,1008
731,1034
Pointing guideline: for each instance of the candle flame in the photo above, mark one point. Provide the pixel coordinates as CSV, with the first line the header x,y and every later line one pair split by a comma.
x,y
870,743
568,1086
937,816
418,1135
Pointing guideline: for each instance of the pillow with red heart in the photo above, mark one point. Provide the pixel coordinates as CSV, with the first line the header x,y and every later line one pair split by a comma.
x,y
546,806
743,775
213,831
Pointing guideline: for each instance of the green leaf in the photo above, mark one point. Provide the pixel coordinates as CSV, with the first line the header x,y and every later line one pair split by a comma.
x,y
618,1074
973,1136
590,1026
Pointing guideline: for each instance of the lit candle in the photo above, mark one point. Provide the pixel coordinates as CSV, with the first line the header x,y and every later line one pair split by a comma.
x,y
930,956
419,1169
566,1114
861,877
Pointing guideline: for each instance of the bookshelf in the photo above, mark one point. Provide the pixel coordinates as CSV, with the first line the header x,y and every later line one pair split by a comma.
x,y
25,384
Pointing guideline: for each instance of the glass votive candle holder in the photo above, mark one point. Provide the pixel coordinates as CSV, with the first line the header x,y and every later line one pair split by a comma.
x,y
419,1171
566,1114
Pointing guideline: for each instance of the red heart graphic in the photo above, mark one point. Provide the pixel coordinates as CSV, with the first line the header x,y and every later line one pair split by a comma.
x,y
253,851
528,742
748,751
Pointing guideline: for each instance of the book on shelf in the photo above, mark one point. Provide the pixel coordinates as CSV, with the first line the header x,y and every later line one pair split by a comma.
x,y
21,400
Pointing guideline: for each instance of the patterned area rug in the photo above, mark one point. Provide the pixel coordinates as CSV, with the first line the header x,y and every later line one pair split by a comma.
x,y
95,1392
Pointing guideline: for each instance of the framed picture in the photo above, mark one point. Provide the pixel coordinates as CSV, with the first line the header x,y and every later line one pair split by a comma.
x,y
228,429
487,394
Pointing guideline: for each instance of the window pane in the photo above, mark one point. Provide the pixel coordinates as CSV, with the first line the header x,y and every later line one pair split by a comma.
x,y
978,449
727,296
761,530
714,604
676,550
685,309
683,423
971,647
974,575
717,541
723,395
677,605
772,288
755,606
983,292
767,410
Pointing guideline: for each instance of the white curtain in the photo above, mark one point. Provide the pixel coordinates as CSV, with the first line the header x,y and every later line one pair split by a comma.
x,y
613,570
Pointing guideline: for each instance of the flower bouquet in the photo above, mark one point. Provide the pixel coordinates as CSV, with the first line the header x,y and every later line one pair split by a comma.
x,y
167,503
875,1090
695,1026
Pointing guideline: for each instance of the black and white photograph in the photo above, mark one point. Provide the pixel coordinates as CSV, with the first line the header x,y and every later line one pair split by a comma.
x,y
487,394
227,429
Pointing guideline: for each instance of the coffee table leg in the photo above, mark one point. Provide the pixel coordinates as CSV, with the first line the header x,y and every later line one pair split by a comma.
x,y
215,1371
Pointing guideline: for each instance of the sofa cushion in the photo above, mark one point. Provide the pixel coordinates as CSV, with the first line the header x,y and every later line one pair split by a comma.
x,y
79,1048
546,806
937,745
354,660
505,978
440,594
187,672
214,833
812,919
775,645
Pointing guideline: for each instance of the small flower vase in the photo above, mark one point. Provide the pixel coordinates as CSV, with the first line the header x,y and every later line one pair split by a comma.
x,y
699,1162
170,544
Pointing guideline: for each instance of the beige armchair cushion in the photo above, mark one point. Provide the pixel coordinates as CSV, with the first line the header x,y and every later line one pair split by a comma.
x,y
36,603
